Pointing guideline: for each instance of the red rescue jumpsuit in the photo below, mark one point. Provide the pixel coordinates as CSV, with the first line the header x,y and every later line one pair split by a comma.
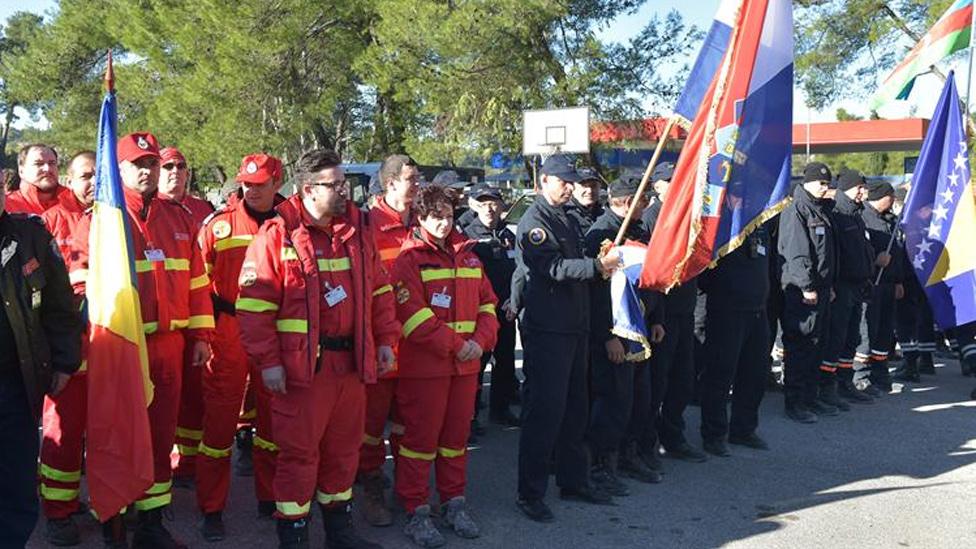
x,y
64,415
189,423
223,243
443,299
292,315
390,232
26,199
175,302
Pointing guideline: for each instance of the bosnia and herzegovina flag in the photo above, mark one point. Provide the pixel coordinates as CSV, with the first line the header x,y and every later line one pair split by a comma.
x,y
627,308
734,170
951,33
119,463
940,216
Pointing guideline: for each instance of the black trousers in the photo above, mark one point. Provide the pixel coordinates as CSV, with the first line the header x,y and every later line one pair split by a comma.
x,y
804,326
554,411
879,316
672,382
18,464
503,382
914,324
736,347
843,333
621,396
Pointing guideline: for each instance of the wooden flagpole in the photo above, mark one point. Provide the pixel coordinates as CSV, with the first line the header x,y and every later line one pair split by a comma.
x,y
647,176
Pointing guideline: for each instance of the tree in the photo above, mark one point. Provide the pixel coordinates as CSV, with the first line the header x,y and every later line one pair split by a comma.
x,y
15,36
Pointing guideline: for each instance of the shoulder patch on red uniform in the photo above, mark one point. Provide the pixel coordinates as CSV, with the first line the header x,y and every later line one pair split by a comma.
x,y
221,229
402,293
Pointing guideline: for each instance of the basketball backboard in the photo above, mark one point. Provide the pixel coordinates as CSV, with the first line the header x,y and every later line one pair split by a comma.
x,y
550,131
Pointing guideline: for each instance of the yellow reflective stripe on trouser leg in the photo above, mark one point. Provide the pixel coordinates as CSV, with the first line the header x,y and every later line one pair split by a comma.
x,y
215,453
264,444
408,453
326,499
158,495
58,494
293,508
192,434
61,476
450,452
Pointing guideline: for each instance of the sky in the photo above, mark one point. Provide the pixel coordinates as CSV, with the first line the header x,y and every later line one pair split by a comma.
x,y
700,13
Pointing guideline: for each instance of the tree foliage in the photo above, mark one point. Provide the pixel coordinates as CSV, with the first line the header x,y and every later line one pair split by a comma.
x,y
443,80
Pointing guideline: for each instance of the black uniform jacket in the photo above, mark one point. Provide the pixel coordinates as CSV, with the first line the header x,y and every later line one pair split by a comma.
x,y
855,257
39,303
807,244
556,295
496,249
880,227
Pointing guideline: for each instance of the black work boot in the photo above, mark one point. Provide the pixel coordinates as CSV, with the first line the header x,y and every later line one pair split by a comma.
x,y
604,475
797,410
213,527
339,531
62,532
828,395
151,534
909,371
292,534
879,375
848,391
244,440
631,465
926,364
113,533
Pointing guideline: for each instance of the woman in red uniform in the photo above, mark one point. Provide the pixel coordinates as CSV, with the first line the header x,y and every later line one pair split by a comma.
x,y
447,308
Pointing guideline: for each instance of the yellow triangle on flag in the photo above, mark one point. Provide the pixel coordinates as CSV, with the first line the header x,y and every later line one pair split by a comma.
x,y
959,254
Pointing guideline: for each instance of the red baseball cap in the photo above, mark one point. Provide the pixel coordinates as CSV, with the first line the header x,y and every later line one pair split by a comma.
x,y
171,153
137,145
259,168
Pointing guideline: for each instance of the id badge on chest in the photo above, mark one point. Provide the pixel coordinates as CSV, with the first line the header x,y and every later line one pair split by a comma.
x,y
441,299
335,296
155,254
820,230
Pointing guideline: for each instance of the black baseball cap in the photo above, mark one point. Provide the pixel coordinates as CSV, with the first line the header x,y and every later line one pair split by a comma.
x,y
663,172
624,186
880,189
816,171
562,166
484,190
848,179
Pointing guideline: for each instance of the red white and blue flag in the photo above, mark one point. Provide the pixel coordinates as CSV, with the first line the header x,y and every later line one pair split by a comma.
x,y
734,170
627,307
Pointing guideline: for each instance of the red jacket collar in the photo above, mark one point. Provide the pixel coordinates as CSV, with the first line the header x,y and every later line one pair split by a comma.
x,y
293,215
420,239
33,196
387,217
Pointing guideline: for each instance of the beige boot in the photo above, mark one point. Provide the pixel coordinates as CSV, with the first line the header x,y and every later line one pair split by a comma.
x,y
375,510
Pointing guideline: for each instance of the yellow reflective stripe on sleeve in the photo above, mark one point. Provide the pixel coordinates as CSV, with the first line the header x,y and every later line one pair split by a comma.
x,y
372,441
78,275
215,453
450,452
201,321
289,254
292,508
326,499
469,272
253,305
169,264
389,254
487,308
264,444
236,241
178,323
408,453
155,502
463,326
61,476
416,320
192,434
150,327
334,265
58,494
208,267
292,325
160,488
186,450
382,290
201,281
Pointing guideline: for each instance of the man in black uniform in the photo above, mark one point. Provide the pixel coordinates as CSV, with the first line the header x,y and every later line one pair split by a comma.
x,y
620,384
496,249
40,347
736,350
808,249
855,262
555,325
673,363
585,205
881,224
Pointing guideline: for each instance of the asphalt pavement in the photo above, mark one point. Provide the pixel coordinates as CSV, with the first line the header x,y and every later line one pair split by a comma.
x,y
898,473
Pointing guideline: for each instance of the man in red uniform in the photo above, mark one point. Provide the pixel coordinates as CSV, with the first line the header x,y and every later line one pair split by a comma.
x,y
175,301
39,190
223,243
173,177
391,219
64,414
317,318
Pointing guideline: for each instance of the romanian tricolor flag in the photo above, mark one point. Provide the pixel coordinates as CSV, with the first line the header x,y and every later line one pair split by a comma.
x,y
734,170
119,447
940,216
951,33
